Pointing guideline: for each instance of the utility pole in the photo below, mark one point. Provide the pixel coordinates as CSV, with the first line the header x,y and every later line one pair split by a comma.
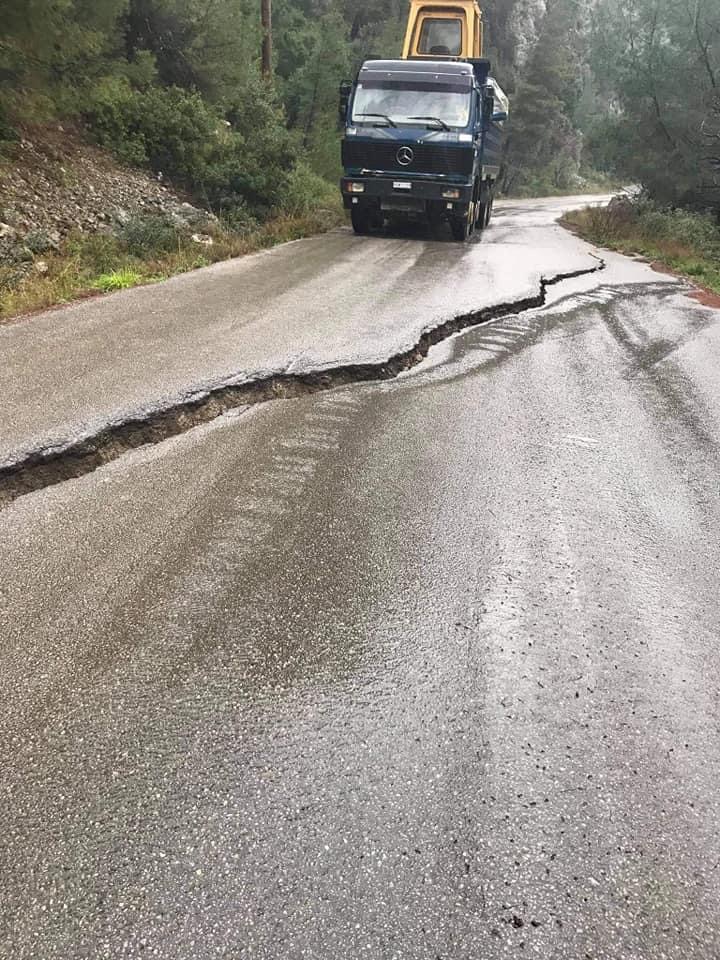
x,y
266,14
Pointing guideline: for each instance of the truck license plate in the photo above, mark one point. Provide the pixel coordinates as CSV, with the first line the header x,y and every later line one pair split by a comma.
x,y
401,185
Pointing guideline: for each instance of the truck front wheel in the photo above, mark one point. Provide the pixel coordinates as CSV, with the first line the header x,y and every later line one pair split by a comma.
x,y
462,227
360,220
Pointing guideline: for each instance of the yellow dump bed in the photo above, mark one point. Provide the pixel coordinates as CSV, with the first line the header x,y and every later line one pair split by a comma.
x,y
444,29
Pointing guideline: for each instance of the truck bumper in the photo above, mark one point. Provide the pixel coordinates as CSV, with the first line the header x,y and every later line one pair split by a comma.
x,y
395,194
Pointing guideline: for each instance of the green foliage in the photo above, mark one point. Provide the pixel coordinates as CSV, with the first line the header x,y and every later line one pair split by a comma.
x,y
307,191
140,70
98,253
687,242
118,280
658,63
255,154
171,129
206,45
245,158
696,230
51,51
238,219
312,93
544,147
148,236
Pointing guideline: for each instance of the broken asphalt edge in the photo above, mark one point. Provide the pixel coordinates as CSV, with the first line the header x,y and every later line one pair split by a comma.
x,y
46,467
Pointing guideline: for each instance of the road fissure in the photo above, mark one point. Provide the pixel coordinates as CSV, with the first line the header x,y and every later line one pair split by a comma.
x,y
46,467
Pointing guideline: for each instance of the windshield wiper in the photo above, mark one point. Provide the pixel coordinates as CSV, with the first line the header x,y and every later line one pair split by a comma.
x,y
435,119
383,116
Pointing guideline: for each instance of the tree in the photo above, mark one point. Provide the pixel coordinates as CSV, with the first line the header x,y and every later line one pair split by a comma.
x,y
266,24
206,45
544,144
658,63
53,49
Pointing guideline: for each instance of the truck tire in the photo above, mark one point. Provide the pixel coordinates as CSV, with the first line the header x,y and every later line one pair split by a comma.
x,y
485,205
462,227
360,220
489,207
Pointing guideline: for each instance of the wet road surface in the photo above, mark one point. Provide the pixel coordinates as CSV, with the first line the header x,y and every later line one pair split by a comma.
x,y
422,669
306,306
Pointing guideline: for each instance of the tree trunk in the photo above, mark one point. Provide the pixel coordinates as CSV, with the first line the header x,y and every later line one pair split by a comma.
x,y
266,14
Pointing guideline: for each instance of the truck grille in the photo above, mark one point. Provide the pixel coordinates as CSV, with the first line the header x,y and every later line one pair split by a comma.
x,y
428,158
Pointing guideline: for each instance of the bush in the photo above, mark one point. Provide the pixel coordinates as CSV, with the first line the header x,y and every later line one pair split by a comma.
x,y
682,226
244,159
651,224
688,242
168,128
40,241
113,115
149,236
237,218
254,155
8,133
98,252
306,191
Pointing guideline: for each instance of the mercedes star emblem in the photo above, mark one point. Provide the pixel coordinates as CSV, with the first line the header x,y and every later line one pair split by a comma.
x,y
405,156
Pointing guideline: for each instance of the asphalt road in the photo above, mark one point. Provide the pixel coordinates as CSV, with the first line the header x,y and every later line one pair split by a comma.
x,y
311,305
413,670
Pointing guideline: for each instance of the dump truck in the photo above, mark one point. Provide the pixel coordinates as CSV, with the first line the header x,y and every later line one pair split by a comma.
x,y
423,134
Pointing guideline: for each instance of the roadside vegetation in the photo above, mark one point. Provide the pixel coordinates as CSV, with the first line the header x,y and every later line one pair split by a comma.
x,y
686,242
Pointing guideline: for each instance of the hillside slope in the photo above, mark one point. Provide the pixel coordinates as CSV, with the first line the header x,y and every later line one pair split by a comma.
x,y
75,223
55,184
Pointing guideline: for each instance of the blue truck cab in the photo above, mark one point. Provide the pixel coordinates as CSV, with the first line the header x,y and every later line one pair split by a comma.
x,y
422,140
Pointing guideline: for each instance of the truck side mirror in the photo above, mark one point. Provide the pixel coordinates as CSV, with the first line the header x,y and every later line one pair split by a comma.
x,y
499,116
345,91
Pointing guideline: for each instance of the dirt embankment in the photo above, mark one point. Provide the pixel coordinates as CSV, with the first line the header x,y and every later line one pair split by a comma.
x,y
54,183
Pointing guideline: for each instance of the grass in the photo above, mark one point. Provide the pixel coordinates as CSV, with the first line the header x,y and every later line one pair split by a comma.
x,y
118,280
687,243
88,265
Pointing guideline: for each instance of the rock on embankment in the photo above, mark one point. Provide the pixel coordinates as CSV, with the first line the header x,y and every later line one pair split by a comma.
x,y
57,184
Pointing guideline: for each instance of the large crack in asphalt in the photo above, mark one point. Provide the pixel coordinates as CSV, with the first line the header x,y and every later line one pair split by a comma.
x,y
45,468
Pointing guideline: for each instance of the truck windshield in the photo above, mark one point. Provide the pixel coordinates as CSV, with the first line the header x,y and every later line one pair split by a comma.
x,y
402,101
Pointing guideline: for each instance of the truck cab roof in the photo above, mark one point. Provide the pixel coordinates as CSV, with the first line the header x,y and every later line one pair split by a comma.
x,y
458,73
440,71
453,67
455,72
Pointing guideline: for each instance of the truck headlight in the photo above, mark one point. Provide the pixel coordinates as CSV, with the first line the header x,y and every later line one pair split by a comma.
x,y
451,194
356,188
